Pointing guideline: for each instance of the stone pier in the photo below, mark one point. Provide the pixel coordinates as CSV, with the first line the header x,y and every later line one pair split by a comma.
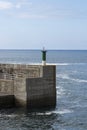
x,y
29,86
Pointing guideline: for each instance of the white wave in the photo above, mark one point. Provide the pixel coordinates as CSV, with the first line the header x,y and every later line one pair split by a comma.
x,y
9,115
45,113
66,76
64,111
79,80
60,64
60,92
65,64
63,76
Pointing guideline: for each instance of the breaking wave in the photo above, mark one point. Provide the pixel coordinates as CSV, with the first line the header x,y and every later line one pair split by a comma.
x,y
60,91
65,64
66,76
63,111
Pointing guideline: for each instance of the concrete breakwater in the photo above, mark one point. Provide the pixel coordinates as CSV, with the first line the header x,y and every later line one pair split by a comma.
x,y
29,86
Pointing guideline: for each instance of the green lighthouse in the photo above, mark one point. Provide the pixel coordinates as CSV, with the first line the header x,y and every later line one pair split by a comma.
x,y
44,56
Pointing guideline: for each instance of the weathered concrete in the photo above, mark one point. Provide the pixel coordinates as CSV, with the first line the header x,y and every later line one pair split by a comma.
x,y
6,100
33,86
41,92
20,92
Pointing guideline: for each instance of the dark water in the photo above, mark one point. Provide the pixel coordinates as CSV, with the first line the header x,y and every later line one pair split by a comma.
x,y
71,76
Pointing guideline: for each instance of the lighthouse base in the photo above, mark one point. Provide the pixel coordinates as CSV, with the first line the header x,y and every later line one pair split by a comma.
x,y
43,62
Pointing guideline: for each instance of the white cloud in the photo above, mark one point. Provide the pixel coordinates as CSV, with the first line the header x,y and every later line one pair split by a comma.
x,y
8,5
30,16
5,5
23,3
25,9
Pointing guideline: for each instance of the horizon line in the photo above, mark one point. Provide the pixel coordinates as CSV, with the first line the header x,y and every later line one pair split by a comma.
x,y
42,49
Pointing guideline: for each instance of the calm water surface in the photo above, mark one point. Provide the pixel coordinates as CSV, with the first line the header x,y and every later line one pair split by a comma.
x,y
71,85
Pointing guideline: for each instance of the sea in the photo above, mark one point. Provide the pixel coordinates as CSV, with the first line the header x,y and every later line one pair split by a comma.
x,y
71,92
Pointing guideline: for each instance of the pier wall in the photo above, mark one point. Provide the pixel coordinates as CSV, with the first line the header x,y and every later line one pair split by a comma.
x,y
32,86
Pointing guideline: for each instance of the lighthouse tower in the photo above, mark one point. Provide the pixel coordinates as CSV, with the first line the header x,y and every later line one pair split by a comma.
x,y
44,56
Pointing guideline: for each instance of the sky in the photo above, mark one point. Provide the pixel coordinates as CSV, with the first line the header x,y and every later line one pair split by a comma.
x,y
34,24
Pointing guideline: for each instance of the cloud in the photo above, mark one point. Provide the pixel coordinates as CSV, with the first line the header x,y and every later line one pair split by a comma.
x,y
8,5
22,3
27,10
5,5
31,16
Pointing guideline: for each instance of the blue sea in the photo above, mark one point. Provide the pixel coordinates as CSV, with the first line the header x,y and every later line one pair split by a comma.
x,y
71,87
